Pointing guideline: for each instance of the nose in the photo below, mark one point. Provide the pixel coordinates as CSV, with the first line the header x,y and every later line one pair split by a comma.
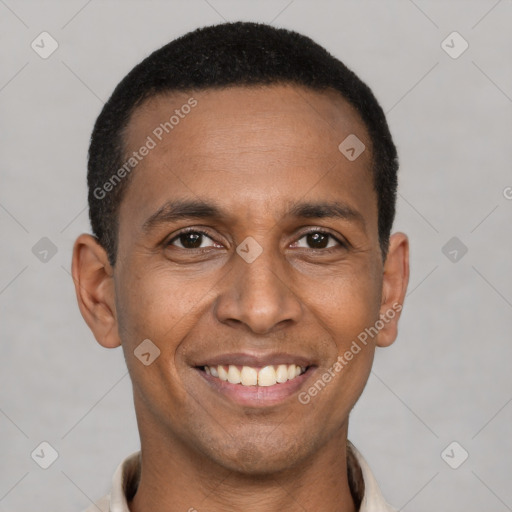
x,y
258,296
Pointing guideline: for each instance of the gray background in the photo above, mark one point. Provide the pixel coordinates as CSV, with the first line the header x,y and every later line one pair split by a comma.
x,y
447,378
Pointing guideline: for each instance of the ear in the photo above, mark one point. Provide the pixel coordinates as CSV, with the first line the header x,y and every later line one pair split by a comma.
x,y
394,286
95,292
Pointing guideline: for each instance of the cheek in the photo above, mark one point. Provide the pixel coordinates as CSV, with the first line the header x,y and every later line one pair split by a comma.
x,y
349,306
347,303
157,306
163,307
153,307
345,307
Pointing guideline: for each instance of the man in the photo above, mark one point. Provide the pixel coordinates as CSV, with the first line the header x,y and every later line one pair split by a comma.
x,y
242,186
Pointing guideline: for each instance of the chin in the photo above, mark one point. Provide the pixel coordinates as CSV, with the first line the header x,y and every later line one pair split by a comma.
x,y
253,459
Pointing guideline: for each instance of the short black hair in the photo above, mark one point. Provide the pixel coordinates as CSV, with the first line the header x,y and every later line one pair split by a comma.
x,y
224,55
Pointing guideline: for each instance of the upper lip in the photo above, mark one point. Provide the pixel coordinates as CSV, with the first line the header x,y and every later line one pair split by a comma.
x,y
256,360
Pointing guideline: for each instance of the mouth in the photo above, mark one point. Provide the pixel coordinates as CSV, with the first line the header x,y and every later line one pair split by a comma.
x,y
256,385
254,376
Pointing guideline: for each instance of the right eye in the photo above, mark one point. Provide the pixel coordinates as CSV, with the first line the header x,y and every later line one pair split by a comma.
x,y
191,239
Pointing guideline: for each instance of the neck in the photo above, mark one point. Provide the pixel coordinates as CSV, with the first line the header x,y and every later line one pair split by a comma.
x,y
176,477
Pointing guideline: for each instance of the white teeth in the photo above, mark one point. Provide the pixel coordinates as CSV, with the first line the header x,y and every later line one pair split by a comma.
x,y
248,376
267,376
223,374
282,373
233,375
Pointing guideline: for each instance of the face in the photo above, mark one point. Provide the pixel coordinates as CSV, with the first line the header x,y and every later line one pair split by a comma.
x,y
247,239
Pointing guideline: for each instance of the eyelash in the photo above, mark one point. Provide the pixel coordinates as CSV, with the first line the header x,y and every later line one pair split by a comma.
x,y
184,232
341,243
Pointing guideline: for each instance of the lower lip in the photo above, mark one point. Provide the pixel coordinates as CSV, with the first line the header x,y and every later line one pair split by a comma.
x,y
258,396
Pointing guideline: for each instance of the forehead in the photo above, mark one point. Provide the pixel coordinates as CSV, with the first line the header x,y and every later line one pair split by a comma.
x,y
271,111
267,143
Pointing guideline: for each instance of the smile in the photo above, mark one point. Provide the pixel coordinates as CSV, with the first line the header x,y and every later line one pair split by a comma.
x,y
253,376
256,386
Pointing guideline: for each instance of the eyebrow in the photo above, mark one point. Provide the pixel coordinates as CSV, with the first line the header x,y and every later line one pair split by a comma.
x,y
175,210
323,210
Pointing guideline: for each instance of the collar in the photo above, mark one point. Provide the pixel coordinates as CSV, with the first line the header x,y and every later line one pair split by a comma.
x,y
363,485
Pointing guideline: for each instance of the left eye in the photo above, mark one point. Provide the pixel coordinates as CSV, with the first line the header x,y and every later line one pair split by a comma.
x,y
319,240
190,240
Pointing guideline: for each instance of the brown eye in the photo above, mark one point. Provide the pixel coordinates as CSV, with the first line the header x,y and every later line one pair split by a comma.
x,y
190,240
318,240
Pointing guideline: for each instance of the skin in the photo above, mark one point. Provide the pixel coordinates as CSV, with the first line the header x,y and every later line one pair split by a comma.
x,y
253,151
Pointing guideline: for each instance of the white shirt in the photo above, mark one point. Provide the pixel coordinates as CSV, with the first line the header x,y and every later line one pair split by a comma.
x,y
126,479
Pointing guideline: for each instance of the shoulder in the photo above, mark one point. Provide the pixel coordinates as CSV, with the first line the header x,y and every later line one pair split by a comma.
x,y
372,498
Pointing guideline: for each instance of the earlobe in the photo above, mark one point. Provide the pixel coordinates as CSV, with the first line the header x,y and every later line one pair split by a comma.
x,y
95,292
394,287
